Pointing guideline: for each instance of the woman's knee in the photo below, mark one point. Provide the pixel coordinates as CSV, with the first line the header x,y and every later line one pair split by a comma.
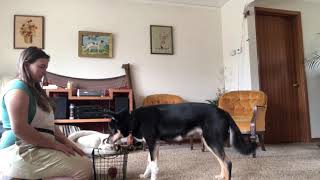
x,y
85,170
58,178
77,167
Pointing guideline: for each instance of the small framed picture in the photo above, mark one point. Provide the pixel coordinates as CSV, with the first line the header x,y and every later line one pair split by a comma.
x,y
95,44
28,31
161,39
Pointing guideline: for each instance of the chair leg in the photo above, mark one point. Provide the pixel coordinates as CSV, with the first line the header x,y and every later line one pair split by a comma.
x,y
261,141
227,143
144,146
203,147
254,154
191,142
253,139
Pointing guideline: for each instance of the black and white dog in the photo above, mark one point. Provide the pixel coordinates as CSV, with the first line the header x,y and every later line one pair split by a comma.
x,y
171,122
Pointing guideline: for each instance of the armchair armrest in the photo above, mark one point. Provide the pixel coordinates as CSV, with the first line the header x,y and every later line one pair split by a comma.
x,y
258,119
253,124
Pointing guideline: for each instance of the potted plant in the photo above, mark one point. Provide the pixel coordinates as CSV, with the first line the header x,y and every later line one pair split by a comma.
x,y
219,93
313,62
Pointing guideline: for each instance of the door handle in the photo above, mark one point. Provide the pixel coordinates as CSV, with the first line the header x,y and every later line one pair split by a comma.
x,y
295,85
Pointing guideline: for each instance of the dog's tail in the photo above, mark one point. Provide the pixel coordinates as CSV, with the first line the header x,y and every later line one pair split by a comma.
x,y
237,139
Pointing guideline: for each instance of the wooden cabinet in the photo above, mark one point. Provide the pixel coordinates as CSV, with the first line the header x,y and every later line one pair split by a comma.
x,y
108,102
116,88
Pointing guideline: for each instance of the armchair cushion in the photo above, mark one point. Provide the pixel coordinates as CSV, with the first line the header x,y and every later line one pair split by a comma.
x,y
162,99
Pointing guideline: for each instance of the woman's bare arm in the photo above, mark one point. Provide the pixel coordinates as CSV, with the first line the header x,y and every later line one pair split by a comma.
x,y
17,103
59,135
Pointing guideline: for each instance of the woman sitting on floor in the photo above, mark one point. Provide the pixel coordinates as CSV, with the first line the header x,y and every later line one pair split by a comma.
x,y
31,146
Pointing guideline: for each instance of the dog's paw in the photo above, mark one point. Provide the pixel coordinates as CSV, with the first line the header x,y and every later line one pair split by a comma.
x,y
219,177
142,176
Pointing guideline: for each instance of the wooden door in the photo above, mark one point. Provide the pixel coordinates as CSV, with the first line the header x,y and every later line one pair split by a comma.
x,y
281,76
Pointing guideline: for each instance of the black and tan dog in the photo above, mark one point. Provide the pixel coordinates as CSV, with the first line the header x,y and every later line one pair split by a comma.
x,y
172,122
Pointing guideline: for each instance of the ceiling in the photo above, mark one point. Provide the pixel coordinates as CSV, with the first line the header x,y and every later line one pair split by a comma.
x,y
314,1
205,3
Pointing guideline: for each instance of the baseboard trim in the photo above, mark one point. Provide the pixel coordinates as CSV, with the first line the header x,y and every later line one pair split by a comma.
x,y
315,139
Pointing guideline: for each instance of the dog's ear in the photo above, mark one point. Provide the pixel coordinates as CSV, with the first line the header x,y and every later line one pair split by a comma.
x,y
110,114
118,113
122,111
114,119
122,114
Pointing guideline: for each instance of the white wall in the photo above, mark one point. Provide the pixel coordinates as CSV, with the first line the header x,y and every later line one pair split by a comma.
x,y
235,36
309,14
194,72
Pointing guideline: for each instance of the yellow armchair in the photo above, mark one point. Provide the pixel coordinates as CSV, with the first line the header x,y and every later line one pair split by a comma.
x,y
248,109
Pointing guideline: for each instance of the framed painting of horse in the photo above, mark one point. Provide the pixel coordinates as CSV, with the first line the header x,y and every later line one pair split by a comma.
x,y
95,44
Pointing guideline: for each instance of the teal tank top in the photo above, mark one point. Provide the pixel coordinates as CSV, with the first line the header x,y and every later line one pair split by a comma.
x,y
8,137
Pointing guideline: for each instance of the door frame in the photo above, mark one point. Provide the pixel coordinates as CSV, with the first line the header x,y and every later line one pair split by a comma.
x,y
303,104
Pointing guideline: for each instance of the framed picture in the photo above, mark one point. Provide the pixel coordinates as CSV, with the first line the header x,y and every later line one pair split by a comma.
x,y
161,39
28,31
95,44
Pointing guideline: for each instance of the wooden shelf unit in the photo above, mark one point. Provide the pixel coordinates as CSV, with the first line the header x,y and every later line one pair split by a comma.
x,y
73,121
71,97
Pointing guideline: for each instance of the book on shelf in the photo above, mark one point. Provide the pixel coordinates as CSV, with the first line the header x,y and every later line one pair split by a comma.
x,y
68,129
50,86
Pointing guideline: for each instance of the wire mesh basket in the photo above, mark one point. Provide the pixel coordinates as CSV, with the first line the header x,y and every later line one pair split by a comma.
x,y
109,166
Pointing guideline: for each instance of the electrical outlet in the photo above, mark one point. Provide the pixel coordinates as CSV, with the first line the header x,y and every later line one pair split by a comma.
x,y
239,51
233,52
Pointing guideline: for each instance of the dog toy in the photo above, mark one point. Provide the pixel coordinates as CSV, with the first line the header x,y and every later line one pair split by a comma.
x,y
112,172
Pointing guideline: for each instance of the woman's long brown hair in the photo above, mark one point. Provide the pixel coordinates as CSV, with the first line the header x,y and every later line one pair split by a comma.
x,y
27,57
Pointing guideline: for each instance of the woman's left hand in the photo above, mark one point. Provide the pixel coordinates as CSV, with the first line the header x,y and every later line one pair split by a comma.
x,y
63,139
75,148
